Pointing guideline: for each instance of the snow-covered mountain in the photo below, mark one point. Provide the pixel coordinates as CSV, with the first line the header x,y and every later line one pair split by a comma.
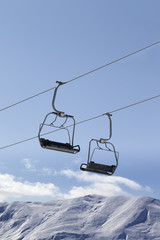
x,y
89,217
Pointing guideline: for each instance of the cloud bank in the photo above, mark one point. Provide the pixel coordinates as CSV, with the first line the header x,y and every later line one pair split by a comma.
x,y
83,184
102,185
10,188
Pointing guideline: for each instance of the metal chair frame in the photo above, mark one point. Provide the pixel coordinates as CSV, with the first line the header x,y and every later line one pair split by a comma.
x,y
91,166
58,146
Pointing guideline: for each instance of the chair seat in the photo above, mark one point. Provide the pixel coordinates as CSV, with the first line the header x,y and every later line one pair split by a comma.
x,y
98,168
63,147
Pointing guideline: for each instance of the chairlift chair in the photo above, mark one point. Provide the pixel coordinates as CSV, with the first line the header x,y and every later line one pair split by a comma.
x,y
53,145
91,166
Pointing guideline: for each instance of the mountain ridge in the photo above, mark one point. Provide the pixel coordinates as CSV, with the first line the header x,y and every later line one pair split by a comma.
x,y
89,217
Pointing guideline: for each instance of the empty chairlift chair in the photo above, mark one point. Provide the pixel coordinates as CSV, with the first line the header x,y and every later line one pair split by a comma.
x,y
104,145
54,145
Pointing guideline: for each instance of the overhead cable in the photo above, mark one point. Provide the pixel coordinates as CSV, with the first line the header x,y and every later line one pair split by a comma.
x,y
26,99
82,75
117,60
83,121
133,104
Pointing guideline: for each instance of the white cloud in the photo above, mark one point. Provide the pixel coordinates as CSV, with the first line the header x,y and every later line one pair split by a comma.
x,y
77,161
48,172
83,184
29,165
10,188
102,185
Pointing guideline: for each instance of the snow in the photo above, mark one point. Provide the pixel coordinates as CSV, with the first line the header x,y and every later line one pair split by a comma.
x,y
90,217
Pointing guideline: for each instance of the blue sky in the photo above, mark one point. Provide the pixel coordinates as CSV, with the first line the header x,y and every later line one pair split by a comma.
x,y
47,41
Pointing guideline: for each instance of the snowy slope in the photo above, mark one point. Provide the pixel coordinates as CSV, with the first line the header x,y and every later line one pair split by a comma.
x,y
89,217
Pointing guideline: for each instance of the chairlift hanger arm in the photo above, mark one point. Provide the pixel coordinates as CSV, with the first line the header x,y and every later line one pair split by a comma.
x,y
110,126
60,113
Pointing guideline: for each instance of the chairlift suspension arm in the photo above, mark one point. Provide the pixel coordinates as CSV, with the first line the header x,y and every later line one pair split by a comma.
x,y
74,123
54,97
110,126
90,150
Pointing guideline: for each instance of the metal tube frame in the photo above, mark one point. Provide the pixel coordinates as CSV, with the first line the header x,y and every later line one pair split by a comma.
x,y
110,128
116,154
67,116
60,113
104,141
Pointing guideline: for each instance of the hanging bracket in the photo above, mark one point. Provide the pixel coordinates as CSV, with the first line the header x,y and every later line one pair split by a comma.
x,y
103,140
59,113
